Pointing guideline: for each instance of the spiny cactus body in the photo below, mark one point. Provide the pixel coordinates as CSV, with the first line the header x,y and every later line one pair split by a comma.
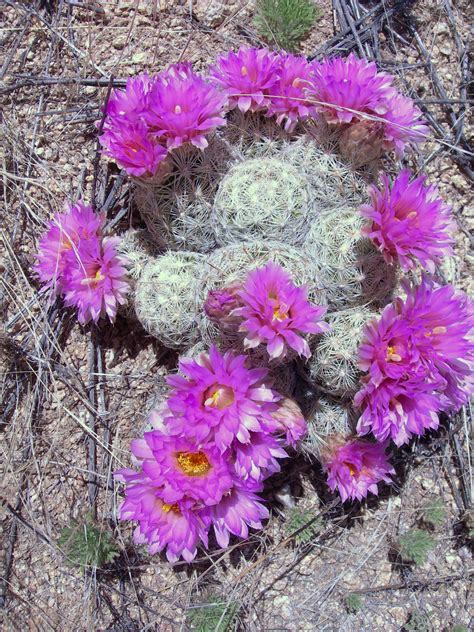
x,y
334,361
351,269
263,198
328,418
165,298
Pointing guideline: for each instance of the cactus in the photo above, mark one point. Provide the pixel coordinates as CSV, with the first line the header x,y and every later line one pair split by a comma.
x,y
232,263
176,209
165,298
262,198
351,269
333,184
334,360
433,512
327,419
136,246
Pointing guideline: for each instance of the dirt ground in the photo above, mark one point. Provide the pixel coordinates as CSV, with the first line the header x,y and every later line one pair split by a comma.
x,y
79,396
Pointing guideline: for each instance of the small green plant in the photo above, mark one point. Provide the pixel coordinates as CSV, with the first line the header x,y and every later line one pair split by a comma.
x,y
434,513
86,544
216,615
459,627
354,603
297,519
415,545
418,622
286,22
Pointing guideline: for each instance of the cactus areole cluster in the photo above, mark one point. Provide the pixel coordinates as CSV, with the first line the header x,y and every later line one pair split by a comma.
x,y
287,270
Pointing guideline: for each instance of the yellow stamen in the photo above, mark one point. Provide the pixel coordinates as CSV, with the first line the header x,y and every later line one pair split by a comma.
x,y
193,463
95,279
439,330
296,82
167,508
244,71
279,315
177,109
391,355
412,215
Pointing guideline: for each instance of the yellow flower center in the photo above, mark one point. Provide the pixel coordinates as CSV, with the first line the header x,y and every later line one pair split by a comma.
x,y
279,314
177,109
219,396
393,355
93,280
167,508
193,463
243,71
352,469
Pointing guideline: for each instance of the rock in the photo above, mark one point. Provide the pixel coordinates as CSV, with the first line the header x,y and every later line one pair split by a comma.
x,y
212,13
446,49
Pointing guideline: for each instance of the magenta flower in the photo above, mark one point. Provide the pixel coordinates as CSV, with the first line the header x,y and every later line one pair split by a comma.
x,y
388,350
257,459
237,512
182,468
404,124
131,102
355,467
410,222
175,528
290,421
132,146
349,88
94,279
442,320
183,108
246,77
276,312
219,399
287,94
397,409
65,233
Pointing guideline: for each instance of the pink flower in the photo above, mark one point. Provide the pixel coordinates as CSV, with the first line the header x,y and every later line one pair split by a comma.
x,y
388,350
276,312
183,108
65,232
237,512
348,88
132,146
290,421
219,399
355,467
442,320
404,124
410,222
131,102
182,468
94,279
287,93
246,77
397,409
257,459
176,528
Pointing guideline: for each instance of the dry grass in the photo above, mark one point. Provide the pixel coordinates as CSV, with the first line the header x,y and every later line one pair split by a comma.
x,y
72,398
